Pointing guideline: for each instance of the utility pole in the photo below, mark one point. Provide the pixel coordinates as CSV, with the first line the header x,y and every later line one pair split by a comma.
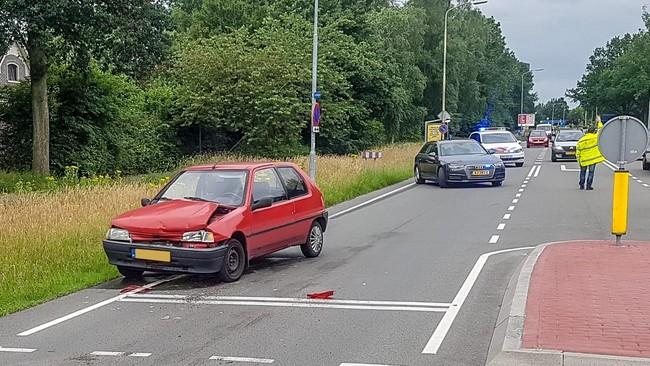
x,y
314,78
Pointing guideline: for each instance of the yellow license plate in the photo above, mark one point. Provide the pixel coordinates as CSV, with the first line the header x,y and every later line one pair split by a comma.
x,y
153,255
571,153
481,172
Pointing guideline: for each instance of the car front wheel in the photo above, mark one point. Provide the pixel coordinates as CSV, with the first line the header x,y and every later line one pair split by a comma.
x,y
130,272
234,262
497,184
418,177
314,244
442,178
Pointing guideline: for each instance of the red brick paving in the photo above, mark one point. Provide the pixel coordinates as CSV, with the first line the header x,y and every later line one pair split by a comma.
x,y
590,297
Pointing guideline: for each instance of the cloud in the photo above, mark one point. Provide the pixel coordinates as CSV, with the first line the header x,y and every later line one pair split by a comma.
x,y
560,35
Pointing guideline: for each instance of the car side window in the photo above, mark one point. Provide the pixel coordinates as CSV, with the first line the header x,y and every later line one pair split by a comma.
x,y
424,148
433,148
293,181
267,184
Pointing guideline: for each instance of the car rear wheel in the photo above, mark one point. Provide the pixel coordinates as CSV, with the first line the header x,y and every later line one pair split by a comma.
x,y
418,178
234,262
646,164
519,165
497,184
130,272
553,158
314,244
442,178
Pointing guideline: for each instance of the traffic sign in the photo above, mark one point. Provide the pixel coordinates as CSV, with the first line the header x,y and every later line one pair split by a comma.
x,y
316,114
446,116
316,129
443,128
317,95
623,140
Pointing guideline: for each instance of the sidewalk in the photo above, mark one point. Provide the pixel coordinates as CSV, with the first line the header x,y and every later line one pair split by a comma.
x,y
579,303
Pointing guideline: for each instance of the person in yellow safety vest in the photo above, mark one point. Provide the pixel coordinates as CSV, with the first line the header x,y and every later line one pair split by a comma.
x,y
588,156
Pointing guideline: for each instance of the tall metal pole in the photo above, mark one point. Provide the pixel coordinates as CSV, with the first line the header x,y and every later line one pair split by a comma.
x,y
314,78
444,68
522,90
553,114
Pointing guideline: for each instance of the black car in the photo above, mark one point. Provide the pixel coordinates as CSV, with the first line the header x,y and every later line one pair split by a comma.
x,y
564,145
458,161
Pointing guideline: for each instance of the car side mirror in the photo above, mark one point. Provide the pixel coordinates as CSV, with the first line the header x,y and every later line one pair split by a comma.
x,y
262,203
145,202
433,154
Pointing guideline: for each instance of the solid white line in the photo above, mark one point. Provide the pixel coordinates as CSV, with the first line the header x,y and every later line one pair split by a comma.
x,y
539,167
190,299
242,359
447,320
565,169
501,226
17,350
371,201
105,353
530,172
516,200
507,216
94,307
290,305
361,364
493,240
511,208
139,354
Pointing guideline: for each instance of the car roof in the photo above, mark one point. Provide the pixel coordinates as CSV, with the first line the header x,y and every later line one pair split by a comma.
x,y
237,166
571,130
452,141
493,132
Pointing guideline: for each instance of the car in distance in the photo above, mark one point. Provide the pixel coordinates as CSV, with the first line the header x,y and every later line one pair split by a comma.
x,y
502,144
458,161
214,219
546,127
537,138
564,145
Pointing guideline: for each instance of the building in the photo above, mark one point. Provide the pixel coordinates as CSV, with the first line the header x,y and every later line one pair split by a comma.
x,y
14,66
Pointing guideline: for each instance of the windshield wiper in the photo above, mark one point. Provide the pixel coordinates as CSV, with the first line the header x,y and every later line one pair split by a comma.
x,y
193,198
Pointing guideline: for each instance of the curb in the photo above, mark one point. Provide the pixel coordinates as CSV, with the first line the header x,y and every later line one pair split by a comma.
x,y
505,347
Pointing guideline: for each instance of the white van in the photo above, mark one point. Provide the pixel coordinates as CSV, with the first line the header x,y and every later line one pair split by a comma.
x,y
546,127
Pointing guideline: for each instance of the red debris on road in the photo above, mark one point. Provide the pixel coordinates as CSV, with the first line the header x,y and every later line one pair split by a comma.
x,y
327,295
130,288
590,297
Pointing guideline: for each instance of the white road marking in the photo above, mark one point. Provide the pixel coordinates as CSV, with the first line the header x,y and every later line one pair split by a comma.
x,y
106,353
494,239
361,364
95,306
530,173
521,190
448,319
518,195
139,354
242,359
511,208
645,185
516,200
501,226
321,305
633,177
366,203
17,350
507,216
565,169
539,167
639,180
523,186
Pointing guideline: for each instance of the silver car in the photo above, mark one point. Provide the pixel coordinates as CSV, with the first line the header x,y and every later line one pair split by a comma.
x,y
564,145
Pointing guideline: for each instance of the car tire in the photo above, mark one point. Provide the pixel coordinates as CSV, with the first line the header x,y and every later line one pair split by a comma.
x,y
553,158
646,164
418,178
528,146
130,273
442,178
497,184
519,165
314,244
234,262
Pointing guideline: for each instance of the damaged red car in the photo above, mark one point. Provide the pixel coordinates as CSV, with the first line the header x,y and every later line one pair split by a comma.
x,y
214,219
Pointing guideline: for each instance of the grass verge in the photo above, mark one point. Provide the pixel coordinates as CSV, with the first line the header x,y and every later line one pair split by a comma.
x,y
51,241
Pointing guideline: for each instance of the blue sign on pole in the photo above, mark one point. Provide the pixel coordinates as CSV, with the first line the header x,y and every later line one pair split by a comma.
x,y
317,95
316,114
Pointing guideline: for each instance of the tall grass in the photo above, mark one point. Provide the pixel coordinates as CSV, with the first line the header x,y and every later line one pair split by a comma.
x,y
50,242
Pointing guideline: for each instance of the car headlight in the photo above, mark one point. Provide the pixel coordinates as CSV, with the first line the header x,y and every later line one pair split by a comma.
x,y
118,234
499,165
456,166
518,150
558,148
201,236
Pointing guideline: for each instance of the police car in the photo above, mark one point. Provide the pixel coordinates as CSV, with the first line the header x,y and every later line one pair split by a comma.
x,y
502,144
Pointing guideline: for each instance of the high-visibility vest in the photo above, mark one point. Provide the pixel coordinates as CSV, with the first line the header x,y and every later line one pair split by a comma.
x,y
587,151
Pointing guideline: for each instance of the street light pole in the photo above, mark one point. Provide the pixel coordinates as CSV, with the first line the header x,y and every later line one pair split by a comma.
x,y
314,78
444,59
522,86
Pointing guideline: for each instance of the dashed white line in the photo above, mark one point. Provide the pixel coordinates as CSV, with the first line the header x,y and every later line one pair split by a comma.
x,y
539,167
518,195
139,354
523,186
639,180
106,353
521,190
242,359
511,208
501,226
361,364
530,173
645,185
448,319
633,177
507,216
17,350
494,239
516,200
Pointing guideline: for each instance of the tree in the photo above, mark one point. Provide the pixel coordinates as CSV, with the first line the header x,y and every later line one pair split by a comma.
x,y
126,35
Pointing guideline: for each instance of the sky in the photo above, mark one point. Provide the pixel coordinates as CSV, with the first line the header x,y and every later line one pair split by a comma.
x,y
560,35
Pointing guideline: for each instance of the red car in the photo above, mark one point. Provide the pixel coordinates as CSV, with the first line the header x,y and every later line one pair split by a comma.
x,y
215,218
537,138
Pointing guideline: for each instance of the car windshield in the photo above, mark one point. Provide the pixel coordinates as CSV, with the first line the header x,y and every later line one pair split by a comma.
x,y
538,134
222,186
461,148
544,127
496,138
569,136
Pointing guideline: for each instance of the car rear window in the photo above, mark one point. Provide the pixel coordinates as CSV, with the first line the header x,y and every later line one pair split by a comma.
x,y
538,134
293,181
496,138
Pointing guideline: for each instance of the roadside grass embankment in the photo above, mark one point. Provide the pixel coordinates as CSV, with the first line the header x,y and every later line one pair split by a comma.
x,y
50,242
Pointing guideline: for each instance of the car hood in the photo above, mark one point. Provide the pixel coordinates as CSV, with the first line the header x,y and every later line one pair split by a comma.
x,y
502,148
566,143
470,159
167,217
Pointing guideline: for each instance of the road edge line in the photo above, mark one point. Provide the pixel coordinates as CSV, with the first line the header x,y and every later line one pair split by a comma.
x,y
371,201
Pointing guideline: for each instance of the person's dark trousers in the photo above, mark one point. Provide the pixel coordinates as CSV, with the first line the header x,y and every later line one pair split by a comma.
x,y
590,177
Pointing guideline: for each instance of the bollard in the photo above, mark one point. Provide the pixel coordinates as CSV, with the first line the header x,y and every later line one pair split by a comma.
x,y
620,203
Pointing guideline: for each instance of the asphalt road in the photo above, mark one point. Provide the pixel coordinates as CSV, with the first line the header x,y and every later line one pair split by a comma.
x,y
411,287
